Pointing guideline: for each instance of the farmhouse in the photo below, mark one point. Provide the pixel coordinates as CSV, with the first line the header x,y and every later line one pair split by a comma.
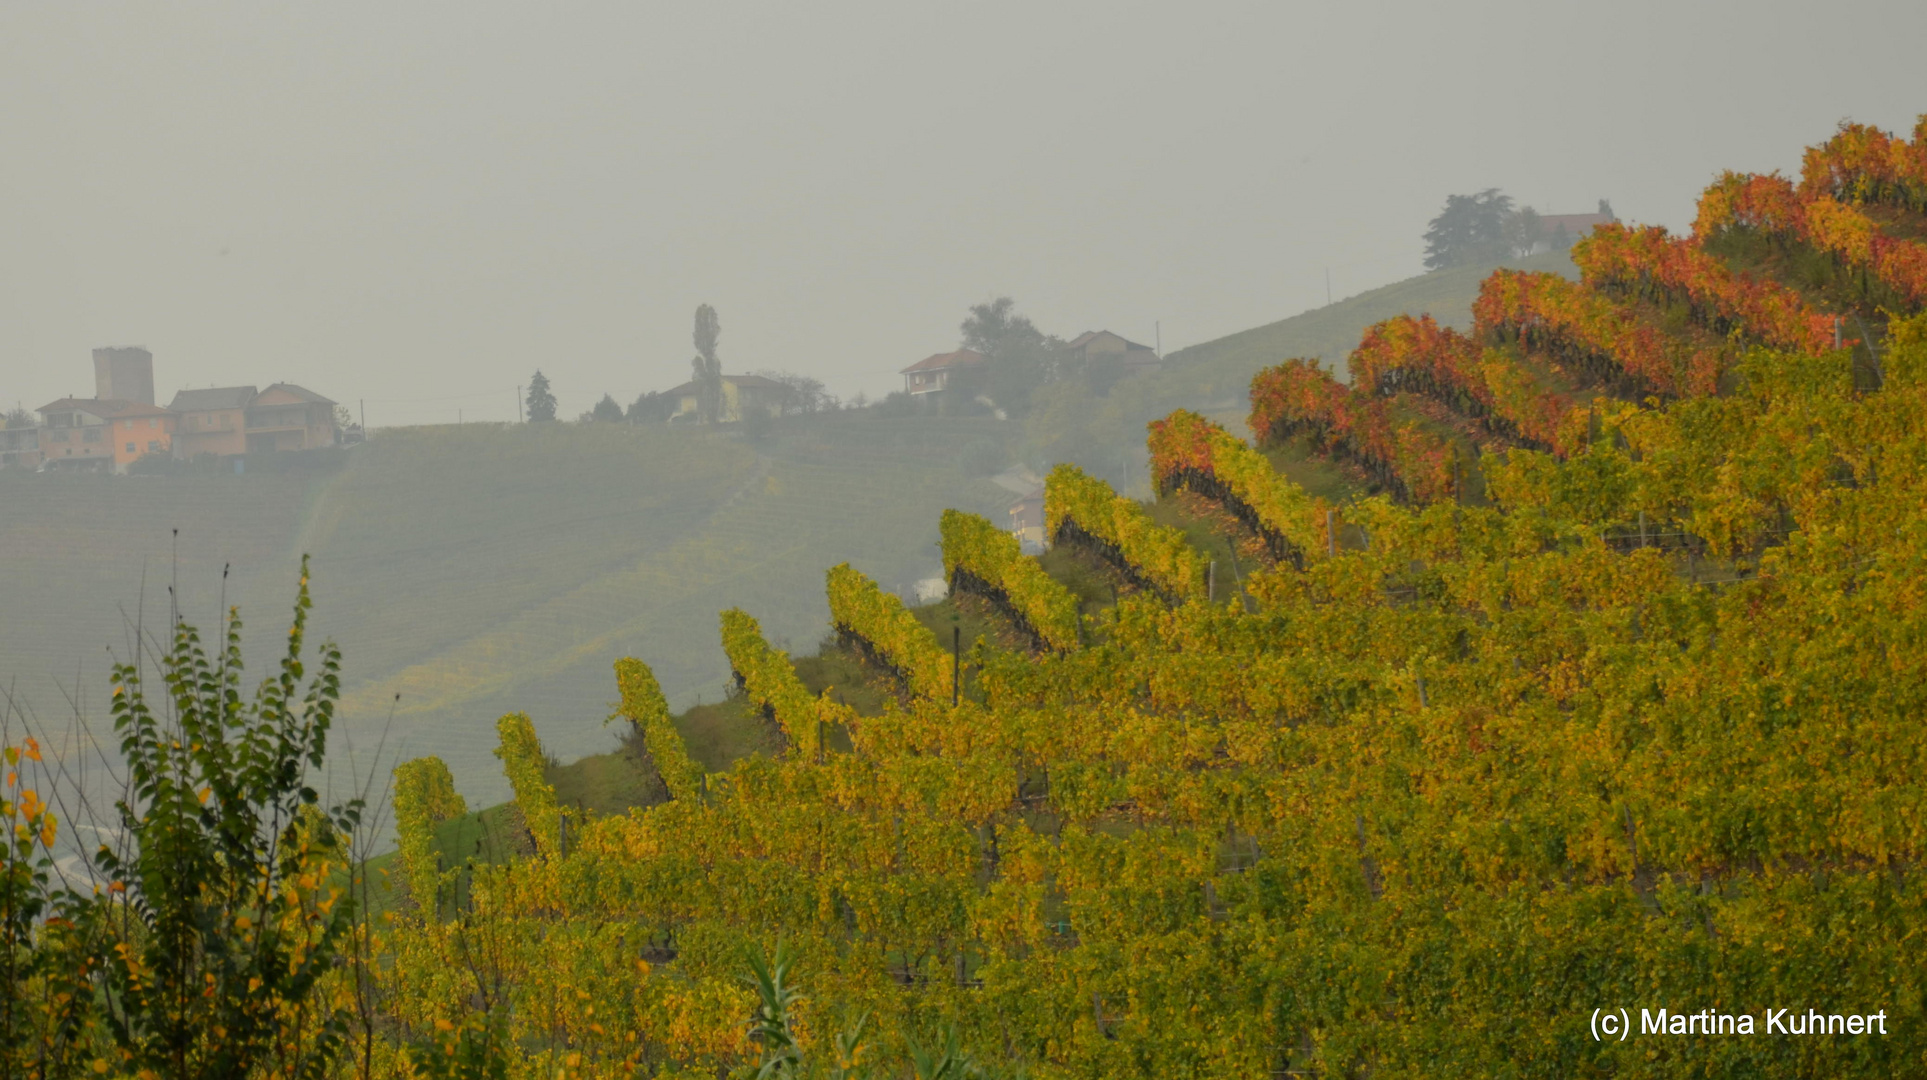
x,y
227,420
288,417
1558,232
1102,346
212,421
121,424
743,395
1027,513
940,372
102,433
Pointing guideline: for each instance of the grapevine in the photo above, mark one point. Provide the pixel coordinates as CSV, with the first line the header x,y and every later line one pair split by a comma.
x,y
980,556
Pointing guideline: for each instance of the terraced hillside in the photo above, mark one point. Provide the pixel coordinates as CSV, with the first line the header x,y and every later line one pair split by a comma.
x,y
1220,370
1571,657
474,570
1104,435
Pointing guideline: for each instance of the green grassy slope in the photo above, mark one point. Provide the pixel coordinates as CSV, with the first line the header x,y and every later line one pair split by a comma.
x,y
480,570
77,550
1105,435
1220,370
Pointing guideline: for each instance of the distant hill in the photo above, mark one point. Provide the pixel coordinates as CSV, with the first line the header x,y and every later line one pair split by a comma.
x,y
1105,435
1219,371
480,569
476,570
484,571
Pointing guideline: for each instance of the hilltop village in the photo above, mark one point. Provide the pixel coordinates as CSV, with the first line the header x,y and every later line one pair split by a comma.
x,y
122,426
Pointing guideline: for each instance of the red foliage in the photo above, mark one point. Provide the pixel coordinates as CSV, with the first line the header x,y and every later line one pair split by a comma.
x,y
1649,263
1297,397
1595,335
1864,164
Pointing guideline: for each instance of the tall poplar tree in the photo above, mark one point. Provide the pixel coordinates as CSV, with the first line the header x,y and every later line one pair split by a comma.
x,y
708,367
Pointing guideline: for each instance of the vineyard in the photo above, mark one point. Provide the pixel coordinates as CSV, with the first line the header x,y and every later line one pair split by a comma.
x,y
1595,682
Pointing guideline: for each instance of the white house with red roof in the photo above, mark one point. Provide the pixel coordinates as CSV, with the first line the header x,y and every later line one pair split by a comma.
x,y
935,373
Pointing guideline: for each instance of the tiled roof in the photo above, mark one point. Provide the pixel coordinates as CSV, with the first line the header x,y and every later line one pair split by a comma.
x,y
753,382
213,397
1018,480
101,407
941,361
303,393
140,408
1089,336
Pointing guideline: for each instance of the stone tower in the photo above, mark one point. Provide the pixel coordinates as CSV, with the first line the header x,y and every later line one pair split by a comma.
x,y
125,374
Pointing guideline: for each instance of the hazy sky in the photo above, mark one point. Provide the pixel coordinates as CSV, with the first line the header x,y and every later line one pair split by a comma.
x,y
418,204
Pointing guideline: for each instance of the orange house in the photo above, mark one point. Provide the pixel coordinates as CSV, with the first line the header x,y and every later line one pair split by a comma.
x,y
103,433
289,417
227,420
212,421
140,430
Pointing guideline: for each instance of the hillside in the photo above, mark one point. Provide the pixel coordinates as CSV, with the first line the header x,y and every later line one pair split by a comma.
x,y
1220,371
476,570
1568,660
1105,435
1570,655
525,579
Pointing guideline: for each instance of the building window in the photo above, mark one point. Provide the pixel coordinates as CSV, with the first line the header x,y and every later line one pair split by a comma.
x,y
153,421
154,445
130,448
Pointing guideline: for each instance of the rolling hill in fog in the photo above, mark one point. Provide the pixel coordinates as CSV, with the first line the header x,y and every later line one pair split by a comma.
x,y
476,570
479,570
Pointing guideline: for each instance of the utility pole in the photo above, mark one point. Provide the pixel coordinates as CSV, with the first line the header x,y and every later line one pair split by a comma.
x,y
364,416
518,403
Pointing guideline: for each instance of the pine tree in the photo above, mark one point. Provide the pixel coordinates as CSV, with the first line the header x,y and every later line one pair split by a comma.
x,y
541,402
1470,231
